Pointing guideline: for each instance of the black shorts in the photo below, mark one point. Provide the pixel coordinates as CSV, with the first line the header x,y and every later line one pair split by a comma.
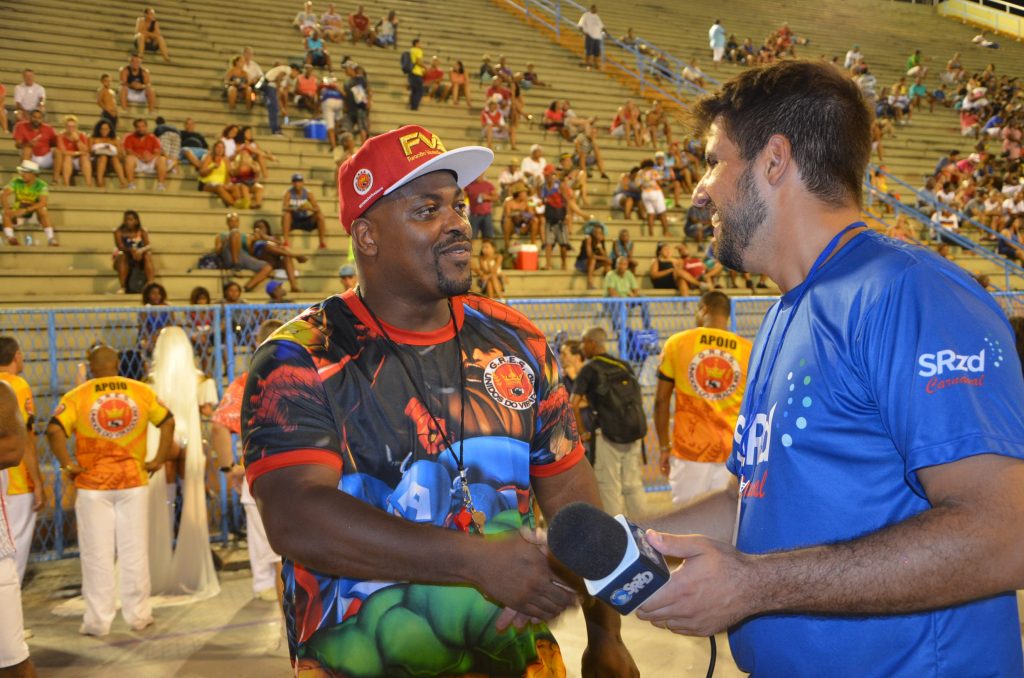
x,y
591,46
306,222
318,59
667,282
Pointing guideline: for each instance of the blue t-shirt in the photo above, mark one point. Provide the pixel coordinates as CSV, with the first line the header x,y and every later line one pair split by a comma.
x,y
894,360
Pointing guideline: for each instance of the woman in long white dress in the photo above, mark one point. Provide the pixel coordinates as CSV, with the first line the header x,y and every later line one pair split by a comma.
x,y
187,568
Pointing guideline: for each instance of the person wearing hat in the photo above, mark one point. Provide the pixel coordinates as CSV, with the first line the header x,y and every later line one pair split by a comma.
x,y
301,211
24,196
331,105
277,292
388,428
347,275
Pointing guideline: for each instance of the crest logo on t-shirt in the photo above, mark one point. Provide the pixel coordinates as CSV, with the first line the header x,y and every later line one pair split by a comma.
x,y
113,415
714,374
362,182
510,381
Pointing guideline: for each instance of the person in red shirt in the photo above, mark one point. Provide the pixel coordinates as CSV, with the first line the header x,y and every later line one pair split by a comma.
x,y
144,155
492,122
36,140
359,25
434,84
73,153
481,194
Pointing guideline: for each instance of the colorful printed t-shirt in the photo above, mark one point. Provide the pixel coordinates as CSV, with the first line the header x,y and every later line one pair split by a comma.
x,y
229,411
709,369
894,360
26,193
18,481
328,389
108,416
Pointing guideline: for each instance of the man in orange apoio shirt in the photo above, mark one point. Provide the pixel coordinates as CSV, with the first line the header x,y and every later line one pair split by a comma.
x,y
108,415
707,369
25,494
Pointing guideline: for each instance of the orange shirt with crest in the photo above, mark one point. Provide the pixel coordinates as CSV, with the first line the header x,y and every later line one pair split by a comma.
x,y
18,480
108,416
709,369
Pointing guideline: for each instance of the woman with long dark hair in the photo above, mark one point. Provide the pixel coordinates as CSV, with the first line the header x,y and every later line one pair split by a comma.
x,y
132,250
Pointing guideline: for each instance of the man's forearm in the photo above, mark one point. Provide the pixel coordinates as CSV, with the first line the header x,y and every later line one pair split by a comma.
x,y
58,442
938,558
166,441
713,515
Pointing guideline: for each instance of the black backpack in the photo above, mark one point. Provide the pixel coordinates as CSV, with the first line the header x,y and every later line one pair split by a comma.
x,y
618,400
406,60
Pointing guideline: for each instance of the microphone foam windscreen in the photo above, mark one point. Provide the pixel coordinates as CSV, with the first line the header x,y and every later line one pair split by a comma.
x,y
587,540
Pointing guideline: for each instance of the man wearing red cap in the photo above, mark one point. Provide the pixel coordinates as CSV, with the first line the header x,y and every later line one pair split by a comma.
x,y
389,428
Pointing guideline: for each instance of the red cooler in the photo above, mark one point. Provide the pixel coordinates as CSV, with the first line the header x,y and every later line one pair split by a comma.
x,y
526,258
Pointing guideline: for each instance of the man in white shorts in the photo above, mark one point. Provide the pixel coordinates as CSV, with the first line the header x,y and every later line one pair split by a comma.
x,y
652,196
706,367
14,659
144,155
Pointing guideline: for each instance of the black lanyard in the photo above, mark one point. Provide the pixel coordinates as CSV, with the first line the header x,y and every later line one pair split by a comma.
x,y
468,513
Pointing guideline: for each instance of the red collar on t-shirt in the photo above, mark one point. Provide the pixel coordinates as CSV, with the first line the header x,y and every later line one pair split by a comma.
x,y
400,336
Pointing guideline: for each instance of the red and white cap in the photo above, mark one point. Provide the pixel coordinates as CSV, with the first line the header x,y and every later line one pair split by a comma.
x,y
388,161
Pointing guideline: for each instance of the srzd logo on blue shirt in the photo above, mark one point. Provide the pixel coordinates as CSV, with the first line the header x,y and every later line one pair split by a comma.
x,y
934,365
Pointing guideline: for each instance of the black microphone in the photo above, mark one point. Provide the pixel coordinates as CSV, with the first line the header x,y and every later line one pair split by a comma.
x,y
611,554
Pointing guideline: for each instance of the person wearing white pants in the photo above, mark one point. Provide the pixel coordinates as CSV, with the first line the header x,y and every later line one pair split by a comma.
x,y
112,525
21,515
262,559
108,416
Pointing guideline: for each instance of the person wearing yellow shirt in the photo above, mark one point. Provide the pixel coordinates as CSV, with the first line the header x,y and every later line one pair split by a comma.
x,y
25,492
108,415
706,367
416,75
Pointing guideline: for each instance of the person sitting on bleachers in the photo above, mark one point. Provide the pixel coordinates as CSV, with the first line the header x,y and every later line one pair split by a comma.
x,y
1009,244
533,166
228,135
4,126
232,294
487,71
900,229
359,27
332,24
305,20
592,257
236,84
459,82
627,194
215,176
656,121
626,124
170,143
193,145
652,196
434,85
587,152
620,281
136,87
518,216
29,96
23,198
264,246
510,176
307,90
492,122
692,73
667,273
36,140
143,155
531,79
698,222
487,271
107,151
316,53
232,246
132,250
244,176
667,179
623,247
301,211
148,37
387,31
574,124
73,153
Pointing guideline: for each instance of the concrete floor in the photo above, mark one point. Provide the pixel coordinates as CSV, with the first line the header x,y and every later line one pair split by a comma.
x,y
235,634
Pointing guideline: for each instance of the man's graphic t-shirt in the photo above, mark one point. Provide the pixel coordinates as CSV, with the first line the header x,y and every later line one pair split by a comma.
x,y
894,360
328,389
709,370
18,481
108,416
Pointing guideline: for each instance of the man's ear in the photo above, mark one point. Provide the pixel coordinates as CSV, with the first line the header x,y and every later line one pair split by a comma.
x,y
364,239
777,159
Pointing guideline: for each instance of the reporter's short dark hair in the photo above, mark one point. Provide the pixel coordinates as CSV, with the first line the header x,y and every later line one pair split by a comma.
x,y
815,106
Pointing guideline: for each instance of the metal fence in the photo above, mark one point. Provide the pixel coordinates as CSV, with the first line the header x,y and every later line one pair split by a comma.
x,y
55,342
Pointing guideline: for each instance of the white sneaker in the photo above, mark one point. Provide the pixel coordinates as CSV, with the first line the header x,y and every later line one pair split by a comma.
x,y
161,186
131,186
